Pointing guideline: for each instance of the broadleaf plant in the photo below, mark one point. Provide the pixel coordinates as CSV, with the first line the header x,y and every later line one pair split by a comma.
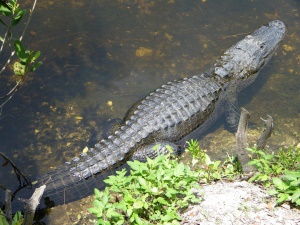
x,y
153,193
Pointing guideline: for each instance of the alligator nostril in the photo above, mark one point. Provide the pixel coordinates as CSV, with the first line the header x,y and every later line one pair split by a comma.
x,y
278,23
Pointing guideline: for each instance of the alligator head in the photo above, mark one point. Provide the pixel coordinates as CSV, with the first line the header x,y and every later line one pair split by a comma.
x,y
249,55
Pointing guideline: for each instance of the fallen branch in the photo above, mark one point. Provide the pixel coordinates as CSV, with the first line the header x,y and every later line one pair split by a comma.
x,y
241,142
31,204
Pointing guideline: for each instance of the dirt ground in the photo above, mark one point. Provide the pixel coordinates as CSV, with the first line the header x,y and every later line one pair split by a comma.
x,y
238,203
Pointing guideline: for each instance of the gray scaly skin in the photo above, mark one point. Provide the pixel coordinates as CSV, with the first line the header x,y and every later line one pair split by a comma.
x,y
166,115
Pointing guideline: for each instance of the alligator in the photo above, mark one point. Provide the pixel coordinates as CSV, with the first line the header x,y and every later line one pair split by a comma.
x,y
165,116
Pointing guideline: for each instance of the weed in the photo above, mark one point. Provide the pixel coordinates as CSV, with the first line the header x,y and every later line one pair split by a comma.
x,y
281,171
17,219
153,193
211,170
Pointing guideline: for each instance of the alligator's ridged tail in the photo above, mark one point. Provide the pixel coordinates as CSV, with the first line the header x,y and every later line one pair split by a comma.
x,y
62,187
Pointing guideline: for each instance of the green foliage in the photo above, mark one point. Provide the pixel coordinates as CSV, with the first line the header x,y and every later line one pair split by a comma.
x,y
12,9
287,188
211,170
17,219
199,155
27,59
12,14
281,171
153,193
266,165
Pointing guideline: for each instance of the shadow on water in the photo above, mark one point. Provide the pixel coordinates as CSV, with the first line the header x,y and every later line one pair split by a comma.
x,y
102,56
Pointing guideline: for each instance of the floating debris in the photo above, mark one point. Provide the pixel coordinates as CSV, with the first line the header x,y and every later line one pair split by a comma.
x,y
142,51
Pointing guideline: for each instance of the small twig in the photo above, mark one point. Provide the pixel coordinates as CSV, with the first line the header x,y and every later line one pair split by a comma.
x,y
17,171
11,92
57,37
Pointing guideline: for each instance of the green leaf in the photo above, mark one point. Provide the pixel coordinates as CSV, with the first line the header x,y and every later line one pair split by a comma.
x,y
268,157
96,211
171,191
129,212
18,219
178,172
296,196
113,213
280,184
99,204
97,192
161,201
4,9
128,198
272,192
134,165
20,51
264,177
3,220
18,17
295,183
105,199
137,218
167,217
138,205
142,181
282,198
253,162
121,205
37,55
291,175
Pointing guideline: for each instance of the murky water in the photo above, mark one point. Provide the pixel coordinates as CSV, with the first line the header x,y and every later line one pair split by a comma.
x,y
101,56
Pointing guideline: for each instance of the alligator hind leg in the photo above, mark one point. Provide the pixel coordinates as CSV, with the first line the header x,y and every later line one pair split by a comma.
x,y
155,149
